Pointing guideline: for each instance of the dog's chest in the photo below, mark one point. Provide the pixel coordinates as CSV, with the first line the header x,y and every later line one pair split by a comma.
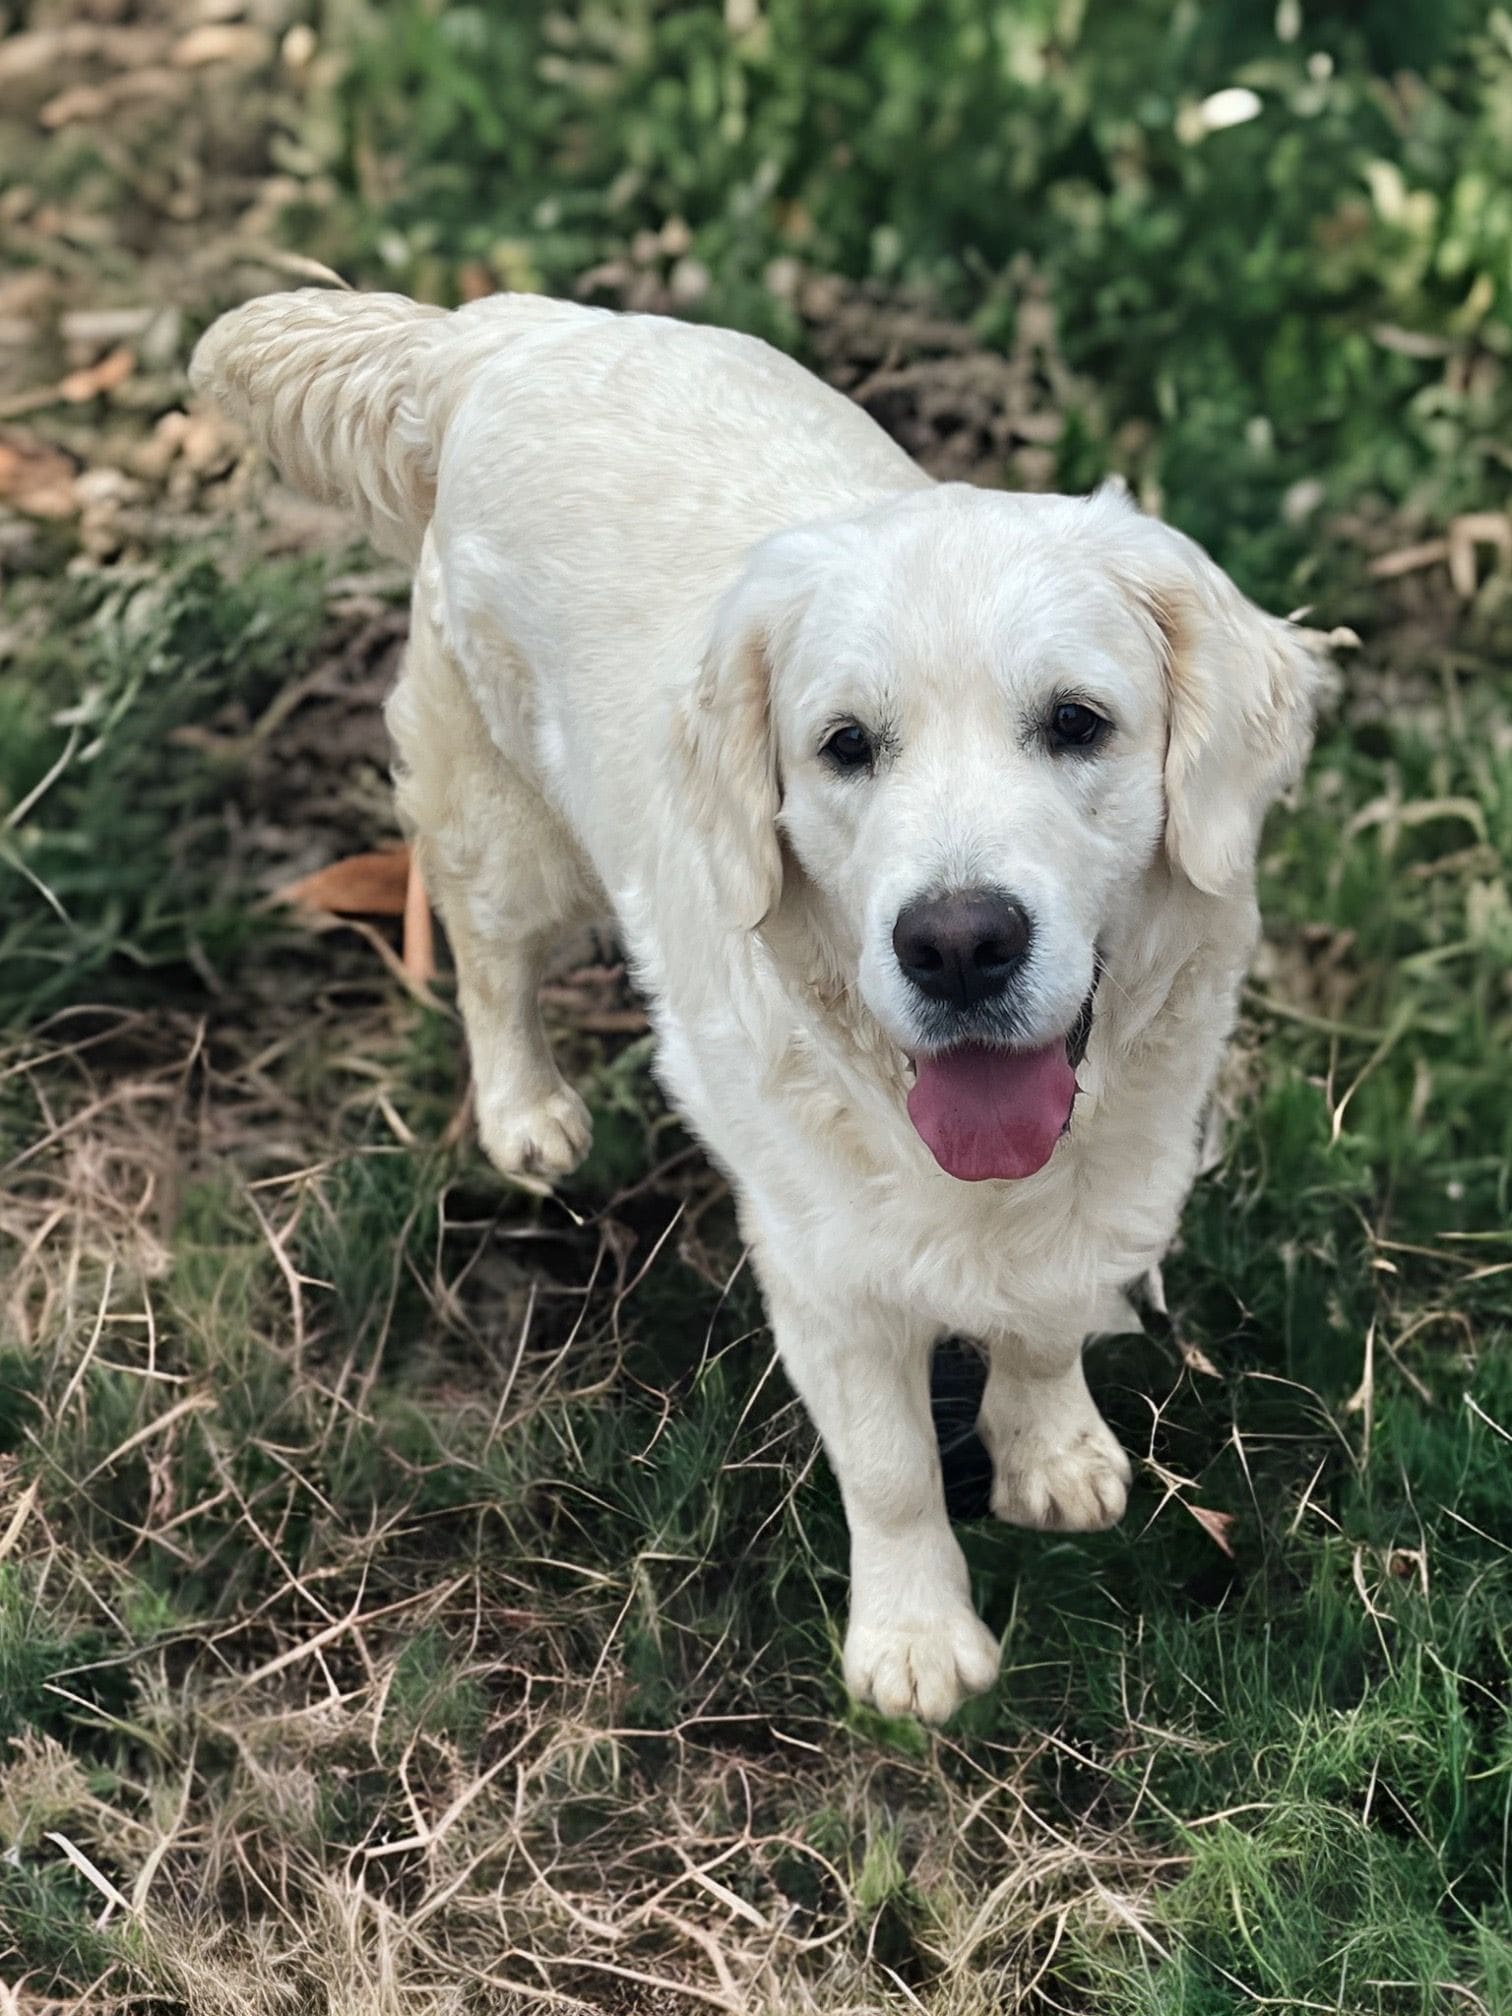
x,y
844,1193
986,1259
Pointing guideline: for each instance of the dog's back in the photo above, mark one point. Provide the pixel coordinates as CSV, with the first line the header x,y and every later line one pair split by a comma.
x,y
357,398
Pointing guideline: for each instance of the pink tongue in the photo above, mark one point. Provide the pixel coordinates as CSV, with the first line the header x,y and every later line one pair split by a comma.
x,y
984,1113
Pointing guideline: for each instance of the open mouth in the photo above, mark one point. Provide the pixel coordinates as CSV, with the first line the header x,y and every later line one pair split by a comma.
x,y
987,1113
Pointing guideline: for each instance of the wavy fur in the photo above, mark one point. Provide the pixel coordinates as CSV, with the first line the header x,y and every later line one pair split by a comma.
x,y
654,566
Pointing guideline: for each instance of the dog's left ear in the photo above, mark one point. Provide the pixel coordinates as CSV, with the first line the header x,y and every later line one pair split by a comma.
x,y
727,742
1242,690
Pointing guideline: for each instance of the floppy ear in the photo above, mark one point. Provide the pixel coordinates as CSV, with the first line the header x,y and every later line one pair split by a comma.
x,y
1242,689
727,744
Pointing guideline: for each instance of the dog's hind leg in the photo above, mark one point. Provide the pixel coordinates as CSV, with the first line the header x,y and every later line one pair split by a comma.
x,y
509,883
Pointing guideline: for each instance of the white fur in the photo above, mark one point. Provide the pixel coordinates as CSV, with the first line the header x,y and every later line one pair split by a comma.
x,y
655,564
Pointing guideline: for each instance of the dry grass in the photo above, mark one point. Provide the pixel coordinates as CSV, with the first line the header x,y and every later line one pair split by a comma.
x,y
380,1773
419,1595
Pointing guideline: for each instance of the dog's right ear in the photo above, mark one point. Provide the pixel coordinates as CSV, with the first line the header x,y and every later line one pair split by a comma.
x,y
731,783
1242,689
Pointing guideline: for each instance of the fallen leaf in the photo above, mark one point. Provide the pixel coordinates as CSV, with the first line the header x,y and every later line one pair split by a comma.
x,y
1475,528
42,52
83,103
364,885
1216,1525
1410,559
1196,1359
208,442
418,952
102,326
81,386
36,479
223,42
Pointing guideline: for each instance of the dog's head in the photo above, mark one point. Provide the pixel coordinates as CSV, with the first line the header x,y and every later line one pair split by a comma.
x,y
975,724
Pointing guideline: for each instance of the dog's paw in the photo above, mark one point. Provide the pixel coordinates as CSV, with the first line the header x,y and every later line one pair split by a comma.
x,y
545,1140
1076,1485
925,1666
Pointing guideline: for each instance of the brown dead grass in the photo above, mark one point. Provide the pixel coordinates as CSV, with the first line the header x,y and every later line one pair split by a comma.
x,y
227,1880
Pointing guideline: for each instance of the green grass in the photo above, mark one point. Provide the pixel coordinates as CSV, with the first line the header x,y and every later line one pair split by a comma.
x,y
416,1595
1225,296
117,666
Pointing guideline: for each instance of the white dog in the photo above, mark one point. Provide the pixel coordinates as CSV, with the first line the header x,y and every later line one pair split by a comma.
x,y
927,816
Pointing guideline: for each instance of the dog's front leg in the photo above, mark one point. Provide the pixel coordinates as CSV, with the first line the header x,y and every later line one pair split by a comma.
x,y
1055,1461
913,1644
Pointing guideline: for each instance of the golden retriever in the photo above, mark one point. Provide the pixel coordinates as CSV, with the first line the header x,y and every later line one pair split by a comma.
x,y
927,816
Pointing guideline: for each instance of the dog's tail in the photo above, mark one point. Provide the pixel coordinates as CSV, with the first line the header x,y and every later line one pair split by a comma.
x,y
332,387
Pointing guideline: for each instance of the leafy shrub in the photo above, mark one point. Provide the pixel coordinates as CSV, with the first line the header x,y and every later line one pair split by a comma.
x,y
1320,295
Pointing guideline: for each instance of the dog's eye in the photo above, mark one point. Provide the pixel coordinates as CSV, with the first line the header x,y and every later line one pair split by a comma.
x,y
848,748
1076,726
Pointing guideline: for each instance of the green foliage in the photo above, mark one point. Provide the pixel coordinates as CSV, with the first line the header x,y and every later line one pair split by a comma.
x,y
106,804
1226,291
48,1916
429,1694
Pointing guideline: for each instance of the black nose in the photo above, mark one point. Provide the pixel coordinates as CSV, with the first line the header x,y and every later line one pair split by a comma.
x,y
962,948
